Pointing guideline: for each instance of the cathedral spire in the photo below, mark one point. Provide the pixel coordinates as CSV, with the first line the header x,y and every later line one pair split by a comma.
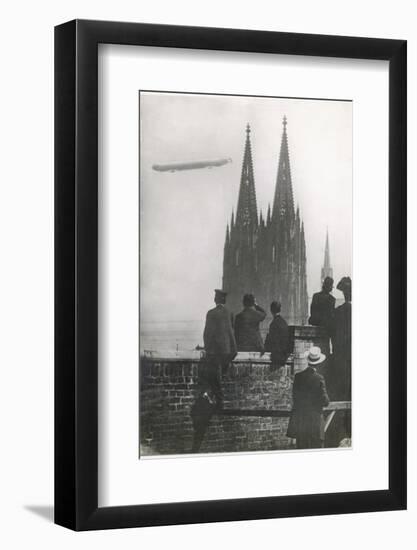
x,y
247,212
326,270
283,199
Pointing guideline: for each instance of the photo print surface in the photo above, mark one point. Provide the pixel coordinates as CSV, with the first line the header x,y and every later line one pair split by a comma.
x,y
245,274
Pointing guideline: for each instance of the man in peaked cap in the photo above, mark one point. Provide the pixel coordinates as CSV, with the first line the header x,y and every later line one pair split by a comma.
x,y
220,348
219,344
306,423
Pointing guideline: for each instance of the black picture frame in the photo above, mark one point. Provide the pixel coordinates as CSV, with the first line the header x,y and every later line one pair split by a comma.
x,y
76,272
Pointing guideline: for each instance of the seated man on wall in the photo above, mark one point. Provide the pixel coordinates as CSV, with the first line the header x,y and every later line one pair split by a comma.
x,y
247,333
306,423
277,340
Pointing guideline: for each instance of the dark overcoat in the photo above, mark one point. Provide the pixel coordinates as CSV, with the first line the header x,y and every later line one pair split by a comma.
x,y
309,397
342,351
277,341
248,336
219,339
322,310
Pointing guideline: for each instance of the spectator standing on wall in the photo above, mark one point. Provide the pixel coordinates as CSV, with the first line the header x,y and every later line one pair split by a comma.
x,y
277,340
247,333
322,310
342,341
341,379
219,345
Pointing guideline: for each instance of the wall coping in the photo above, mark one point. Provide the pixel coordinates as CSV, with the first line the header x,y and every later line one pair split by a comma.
x,y
299,332
197,356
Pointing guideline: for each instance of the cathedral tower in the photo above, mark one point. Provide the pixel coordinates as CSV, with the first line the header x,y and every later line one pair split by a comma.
x,y
239,265
267,256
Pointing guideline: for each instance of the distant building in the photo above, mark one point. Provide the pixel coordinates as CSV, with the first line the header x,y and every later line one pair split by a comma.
x,y
267,256
326,270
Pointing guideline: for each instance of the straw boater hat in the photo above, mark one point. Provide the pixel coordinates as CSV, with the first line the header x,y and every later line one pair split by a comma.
x,y
314,356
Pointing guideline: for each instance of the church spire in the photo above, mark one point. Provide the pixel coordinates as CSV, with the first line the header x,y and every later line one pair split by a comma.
x,y
227,241
247,212
326,270
283,199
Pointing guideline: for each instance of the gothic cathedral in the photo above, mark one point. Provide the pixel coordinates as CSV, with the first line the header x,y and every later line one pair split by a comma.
x,y
267,257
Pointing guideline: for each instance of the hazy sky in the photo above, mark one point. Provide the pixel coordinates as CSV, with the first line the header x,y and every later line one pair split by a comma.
x,y
184,214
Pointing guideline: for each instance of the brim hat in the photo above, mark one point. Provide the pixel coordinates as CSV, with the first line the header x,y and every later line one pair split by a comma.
x,y
344,284
314,356
219,292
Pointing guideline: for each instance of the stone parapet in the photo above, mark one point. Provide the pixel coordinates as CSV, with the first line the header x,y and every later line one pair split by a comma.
x,y
169,384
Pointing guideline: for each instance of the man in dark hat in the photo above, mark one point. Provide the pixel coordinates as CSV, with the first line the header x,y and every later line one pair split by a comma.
x,y
306,423
322,305
247,334
322,310
219,344
342,341
277,339
339,379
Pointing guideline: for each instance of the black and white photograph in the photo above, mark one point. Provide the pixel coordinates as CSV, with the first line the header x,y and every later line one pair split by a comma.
x,y
189,191
245,273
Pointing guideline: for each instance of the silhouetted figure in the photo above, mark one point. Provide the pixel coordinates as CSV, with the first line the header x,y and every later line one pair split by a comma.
x,y
220,349
277,340
248,336
342,341
306,423
219,344
322,310
201,413
339,376
342,351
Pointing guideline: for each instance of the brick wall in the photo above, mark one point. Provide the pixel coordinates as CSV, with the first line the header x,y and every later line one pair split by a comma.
x,y
169,386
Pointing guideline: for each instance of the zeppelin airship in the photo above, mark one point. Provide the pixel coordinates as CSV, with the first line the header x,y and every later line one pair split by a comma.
x,y
192,165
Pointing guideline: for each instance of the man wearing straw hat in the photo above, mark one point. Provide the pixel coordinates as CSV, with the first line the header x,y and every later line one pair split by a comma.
x,y
309,397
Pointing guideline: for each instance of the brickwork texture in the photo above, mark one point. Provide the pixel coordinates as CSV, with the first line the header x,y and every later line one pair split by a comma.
x,y
169,387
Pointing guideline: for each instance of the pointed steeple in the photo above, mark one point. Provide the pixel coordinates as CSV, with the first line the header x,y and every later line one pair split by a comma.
x,y
227,236
326,270
297,218
283,199
247,212
303,242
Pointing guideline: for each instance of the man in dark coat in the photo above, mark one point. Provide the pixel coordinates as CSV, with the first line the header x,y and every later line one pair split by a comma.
x,y
220,348
247,334
341,372
322,309
306,423
342,341
277,340
219,344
